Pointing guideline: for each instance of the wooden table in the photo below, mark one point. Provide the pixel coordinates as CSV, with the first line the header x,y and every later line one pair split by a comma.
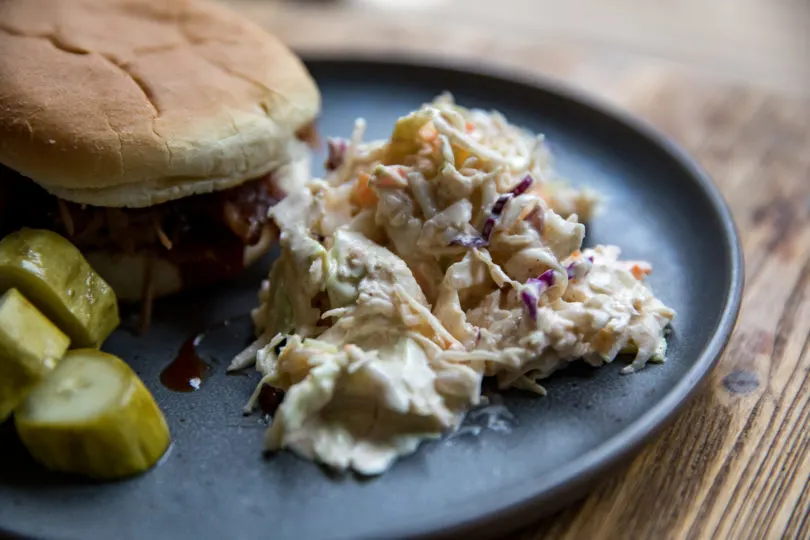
x,y
736,464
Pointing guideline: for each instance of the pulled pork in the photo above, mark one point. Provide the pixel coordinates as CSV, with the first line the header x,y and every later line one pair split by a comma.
x,y
235,215
213,229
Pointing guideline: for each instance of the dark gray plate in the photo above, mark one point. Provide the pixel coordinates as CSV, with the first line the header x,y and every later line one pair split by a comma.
x,y
215,484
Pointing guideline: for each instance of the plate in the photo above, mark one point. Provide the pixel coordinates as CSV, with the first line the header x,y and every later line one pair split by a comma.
x,y
498,472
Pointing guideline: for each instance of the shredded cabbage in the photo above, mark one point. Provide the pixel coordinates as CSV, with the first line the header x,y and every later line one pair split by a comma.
x,y
424,263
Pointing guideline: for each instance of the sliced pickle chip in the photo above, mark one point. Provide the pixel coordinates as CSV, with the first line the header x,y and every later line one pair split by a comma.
x,y
30,348
56,278
94,417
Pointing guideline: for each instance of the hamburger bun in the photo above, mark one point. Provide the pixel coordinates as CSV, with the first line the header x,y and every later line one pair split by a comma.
x,y
136,105
132,103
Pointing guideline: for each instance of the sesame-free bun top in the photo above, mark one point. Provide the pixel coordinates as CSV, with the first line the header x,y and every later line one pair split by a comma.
x,y
131,103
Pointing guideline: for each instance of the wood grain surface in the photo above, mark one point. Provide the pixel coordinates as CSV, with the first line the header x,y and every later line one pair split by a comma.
x,y
736,464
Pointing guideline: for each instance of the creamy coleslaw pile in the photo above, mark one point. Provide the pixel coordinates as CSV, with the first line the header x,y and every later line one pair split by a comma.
x,y
420,265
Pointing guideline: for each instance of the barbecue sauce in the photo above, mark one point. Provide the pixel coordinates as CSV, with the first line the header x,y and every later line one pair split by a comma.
x,y
269,399
187,371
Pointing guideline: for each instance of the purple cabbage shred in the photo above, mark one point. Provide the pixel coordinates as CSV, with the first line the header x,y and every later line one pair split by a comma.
x,y
486,232
530,303
499,205
547,277
570,270
523,185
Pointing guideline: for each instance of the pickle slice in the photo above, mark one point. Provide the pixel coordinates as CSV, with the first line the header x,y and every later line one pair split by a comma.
x,y
55,277
93,416
30,347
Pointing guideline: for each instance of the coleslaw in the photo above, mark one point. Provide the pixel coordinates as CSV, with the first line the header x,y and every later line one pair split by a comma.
x,y
420,265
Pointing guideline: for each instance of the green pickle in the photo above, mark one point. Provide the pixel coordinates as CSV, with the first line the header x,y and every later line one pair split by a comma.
x,y
30,348
93,416
56,278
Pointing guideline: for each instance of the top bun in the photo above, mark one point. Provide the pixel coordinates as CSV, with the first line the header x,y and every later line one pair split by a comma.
x,y
132,103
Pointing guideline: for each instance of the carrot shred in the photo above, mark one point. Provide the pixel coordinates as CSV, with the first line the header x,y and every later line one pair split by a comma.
x,y
363,195
639,272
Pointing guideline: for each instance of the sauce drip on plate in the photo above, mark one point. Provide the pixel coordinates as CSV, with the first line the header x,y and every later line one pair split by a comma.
x,y
187,371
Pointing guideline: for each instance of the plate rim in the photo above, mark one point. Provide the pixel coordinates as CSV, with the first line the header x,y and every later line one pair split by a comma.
x,y
570,481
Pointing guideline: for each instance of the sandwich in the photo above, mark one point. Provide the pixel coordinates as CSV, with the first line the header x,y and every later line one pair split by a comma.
x,y
154,135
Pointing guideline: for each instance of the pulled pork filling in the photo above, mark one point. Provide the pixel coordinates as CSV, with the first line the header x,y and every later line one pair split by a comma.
x,y
175,230
213,228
